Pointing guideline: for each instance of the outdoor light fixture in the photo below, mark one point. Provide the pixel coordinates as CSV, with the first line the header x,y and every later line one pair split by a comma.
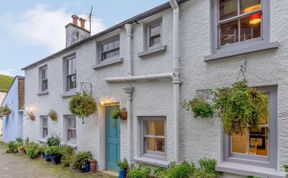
x,y
254,18
105,101
30,114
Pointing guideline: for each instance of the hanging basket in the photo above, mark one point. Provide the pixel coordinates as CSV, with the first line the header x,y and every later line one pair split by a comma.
x,y
123,115
5,110
53,115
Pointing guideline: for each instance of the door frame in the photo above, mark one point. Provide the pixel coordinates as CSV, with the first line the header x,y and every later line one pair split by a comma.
x,y
105,132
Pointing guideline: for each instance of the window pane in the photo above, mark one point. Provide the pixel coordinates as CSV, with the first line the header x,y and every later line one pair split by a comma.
x,y
228,8
155,30
258,142
229,33
155,128
250,5
155,144
248,30
155,40
239,143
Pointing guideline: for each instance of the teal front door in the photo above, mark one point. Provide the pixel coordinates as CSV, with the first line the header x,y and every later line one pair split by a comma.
x,y
112,139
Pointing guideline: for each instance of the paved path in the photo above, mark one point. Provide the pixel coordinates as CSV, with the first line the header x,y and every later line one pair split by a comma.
x,y
20,166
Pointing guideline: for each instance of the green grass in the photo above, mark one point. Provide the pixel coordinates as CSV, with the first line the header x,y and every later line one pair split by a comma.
x,y
5,82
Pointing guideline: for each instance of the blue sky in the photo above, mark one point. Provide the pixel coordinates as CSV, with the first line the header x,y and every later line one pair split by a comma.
x,y
33,29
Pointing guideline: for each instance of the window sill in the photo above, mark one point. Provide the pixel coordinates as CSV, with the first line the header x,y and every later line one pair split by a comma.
x,y
71,144
248,170
108,63
153,50
43,93
151,161
68,94
240,51
42,140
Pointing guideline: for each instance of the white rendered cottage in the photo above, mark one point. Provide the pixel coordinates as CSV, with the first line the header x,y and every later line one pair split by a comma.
x,y
149,64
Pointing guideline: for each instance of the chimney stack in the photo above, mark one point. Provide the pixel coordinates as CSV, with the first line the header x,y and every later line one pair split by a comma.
x,y
82,23
75,20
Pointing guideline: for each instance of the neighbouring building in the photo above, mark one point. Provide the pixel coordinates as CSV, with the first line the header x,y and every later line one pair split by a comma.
x,y
151,63
14,99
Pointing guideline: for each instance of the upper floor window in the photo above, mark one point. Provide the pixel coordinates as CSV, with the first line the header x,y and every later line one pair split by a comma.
x,y
153,137
110,48
44,126
240,20
43,79
257,146
70,64
154,30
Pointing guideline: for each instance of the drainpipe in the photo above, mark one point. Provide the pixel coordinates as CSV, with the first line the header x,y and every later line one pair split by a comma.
x,y
129,92
176,75
129,28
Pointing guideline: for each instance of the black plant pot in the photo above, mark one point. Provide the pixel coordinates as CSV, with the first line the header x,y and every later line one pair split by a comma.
x,y
47,157
56,159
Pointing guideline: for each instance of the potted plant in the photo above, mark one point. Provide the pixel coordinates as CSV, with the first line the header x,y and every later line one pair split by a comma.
x,y
123,165
42,150
240,107
123,114
46,155
67,155
53,115
199,107
81,161
5,111
82,105
53,141
12,147
32,150
55,154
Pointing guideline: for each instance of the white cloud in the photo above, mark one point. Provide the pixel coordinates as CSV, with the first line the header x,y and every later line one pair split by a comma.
x,y
46,27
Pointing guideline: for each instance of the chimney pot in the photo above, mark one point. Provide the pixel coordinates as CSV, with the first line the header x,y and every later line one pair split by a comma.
x,y
82,23
75,20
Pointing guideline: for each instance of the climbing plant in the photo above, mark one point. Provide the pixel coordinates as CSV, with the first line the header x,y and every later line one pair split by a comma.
x,y
240,107
82,105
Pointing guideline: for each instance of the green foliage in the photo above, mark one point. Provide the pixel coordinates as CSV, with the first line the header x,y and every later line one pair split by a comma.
x,y
33,150
252,177
81,158
53,141
54,151
123,164
240,107
286,167
19,141
42,148
67,155
206,169
82,105
12,147
5,82
181,170
116,114
53,115
5,110
139,172
199,107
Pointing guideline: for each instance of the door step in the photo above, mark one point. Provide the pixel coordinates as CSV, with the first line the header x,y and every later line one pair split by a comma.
x,y
110,173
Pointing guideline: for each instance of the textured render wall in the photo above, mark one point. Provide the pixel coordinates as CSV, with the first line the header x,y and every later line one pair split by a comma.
x,y
2,96
202,138
12,127
198,138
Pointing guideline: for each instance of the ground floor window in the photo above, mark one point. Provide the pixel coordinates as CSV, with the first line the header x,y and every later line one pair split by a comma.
x,y
44,126
256,146
153,137
71,128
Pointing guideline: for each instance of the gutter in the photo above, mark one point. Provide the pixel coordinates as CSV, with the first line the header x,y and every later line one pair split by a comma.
x,y
176,76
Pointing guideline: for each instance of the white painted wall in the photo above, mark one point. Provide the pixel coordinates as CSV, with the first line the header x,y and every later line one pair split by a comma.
x,y
198,138
2,96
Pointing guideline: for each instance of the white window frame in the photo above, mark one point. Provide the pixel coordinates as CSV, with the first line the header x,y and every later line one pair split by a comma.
x,y
67,129
101,52
153,155
44,127
148,35
41,80
66,75
269,161
265,29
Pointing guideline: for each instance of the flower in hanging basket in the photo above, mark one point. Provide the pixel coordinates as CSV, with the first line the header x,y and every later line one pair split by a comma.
x,y
82,105
240,107
116,114
5,110
53,115
199,107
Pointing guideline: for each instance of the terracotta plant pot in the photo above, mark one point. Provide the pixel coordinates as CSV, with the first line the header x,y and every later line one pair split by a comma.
x,y
123,115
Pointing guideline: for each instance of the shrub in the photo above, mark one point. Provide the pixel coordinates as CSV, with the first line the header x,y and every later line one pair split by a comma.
x,y
199,107
67,155
42,149
54,151
181,170
123,164
12,147
81,158
139,172
82,105
19,141
33,150
53,141
206,169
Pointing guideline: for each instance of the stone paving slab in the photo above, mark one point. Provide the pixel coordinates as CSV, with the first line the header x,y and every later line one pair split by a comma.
x,y
20,166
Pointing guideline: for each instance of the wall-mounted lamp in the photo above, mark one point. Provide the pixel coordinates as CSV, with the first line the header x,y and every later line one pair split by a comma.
x,y
30,113
106,101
